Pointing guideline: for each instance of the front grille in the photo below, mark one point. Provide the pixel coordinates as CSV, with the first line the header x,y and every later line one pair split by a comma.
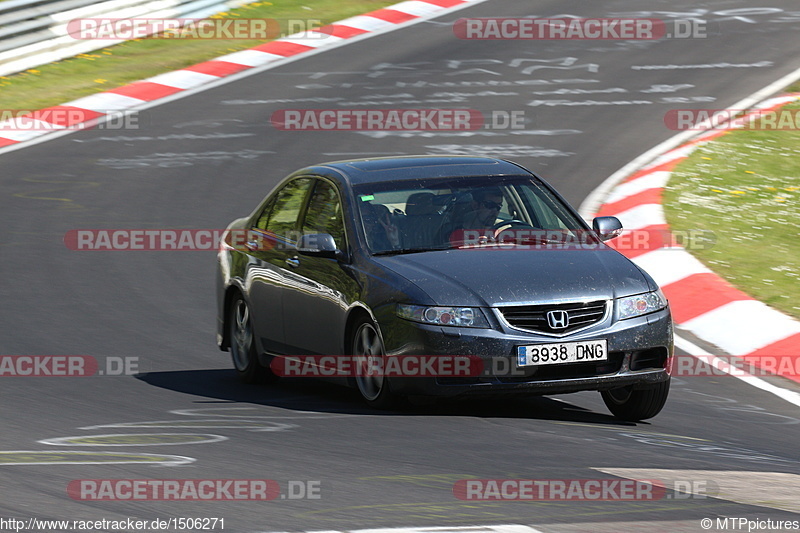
x,y
534,317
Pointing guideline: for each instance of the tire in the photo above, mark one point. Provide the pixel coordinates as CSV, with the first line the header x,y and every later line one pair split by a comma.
x,y
366,344
242,344
633,405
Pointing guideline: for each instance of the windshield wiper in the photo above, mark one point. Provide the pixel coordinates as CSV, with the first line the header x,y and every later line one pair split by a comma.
x,y
403,251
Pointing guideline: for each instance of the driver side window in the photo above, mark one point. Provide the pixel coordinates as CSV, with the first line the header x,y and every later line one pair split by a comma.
x,y
324,214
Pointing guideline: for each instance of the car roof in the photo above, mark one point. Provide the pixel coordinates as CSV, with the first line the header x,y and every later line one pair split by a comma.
x,y
383,169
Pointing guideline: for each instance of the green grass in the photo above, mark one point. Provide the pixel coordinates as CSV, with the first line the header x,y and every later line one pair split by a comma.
x,y
124,63
745,187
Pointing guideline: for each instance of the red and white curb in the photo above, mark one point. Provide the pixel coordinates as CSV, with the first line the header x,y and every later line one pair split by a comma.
x,y
129,97
702,302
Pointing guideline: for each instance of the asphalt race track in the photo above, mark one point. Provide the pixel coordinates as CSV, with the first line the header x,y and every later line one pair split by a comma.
x,y
198,162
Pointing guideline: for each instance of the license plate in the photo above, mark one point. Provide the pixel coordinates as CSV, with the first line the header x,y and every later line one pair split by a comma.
x,y
562,352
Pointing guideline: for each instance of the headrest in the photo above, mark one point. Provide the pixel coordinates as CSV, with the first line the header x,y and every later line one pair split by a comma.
x,y
420,203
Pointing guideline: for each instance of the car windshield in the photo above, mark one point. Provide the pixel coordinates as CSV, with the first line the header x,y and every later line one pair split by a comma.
x,y
413,216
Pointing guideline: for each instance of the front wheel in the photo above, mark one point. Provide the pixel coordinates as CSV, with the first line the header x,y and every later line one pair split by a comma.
x,y
632,404
243,349
369,357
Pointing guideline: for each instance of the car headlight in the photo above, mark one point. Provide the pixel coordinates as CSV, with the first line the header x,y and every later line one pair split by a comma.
x,y
641,304
470,317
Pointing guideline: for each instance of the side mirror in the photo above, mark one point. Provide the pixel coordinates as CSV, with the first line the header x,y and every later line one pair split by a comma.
x,y
318,245
607,227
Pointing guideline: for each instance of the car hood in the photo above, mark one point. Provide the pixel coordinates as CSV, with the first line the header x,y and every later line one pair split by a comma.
x,y
485,277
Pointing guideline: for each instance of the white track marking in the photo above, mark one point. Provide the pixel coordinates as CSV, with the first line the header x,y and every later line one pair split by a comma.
x,y
654,180
125,458
691,348
666,266
642,216
75,440
745,487
764,326
301,414
218,423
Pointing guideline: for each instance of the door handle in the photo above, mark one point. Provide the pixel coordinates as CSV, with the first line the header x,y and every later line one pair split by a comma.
x,y
293,262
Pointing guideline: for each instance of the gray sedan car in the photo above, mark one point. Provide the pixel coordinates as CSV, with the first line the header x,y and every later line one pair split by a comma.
x,y
449,275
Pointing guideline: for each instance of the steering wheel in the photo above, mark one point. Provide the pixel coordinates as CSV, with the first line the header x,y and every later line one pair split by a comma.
x,y
500,227
511,223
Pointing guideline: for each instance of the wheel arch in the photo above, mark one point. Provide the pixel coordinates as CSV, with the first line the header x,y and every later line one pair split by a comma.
x,y
230,293
357,312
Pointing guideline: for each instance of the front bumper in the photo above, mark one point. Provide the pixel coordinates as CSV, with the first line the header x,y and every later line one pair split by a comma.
x,y
638,350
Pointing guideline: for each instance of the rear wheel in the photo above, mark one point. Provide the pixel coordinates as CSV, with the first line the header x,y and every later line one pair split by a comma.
x,y
243,350
369,355
632,404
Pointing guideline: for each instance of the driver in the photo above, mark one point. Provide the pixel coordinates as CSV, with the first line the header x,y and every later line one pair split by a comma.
x,y
382,232
486,204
